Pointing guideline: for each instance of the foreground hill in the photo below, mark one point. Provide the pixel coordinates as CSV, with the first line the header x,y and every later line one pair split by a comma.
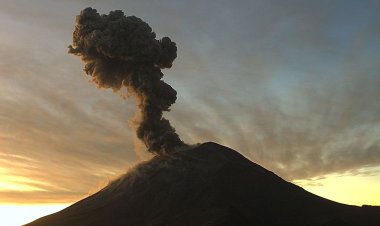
x,y
208,185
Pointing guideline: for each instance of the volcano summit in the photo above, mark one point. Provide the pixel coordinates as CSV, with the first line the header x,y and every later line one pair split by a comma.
x,y
204,185
208,185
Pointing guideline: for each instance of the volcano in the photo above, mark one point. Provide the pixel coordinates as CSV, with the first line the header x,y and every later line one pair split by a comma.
x,y
206,185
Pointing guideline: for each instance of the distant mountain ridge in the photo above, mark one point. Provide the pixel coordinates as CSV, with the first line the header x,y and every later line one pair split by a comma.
x,y
208,185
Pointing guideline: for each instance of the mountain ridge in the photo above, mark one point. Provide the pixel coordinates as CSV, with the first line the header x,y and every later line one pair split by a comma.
x,y
206,185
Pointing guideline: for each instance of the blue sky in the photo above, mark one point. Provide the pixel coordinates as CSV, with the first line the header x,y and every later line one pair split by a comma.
x,y
292,85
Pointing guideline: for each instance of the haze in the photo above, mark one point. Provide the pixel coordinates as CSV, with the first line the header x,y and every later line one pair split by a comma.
x,y
293,86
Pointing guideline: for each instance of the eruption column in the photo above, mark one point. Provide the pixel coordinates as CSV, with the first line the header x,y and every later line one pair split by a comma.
x,y
121,50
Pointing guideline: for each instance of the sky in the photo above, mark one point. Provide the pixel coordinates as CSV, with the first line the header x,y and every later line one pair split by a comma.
x,y
292,85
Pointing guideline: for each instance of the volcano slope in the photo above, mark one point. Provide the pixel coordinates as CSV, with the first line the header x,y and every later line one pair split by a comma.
x,y
207,185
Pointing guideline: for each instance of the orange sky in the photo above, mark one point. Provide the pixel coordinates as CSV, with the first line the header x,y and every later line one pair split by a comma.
x,y
292,87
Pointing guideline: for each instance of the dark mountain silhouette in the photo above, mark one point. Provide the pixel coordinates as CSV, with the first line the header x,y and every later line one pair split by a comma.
x,y
207,185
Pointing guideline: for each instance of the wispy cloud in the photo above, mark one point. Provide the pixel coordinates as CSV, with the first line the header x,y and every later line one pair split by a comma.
x,y
292,86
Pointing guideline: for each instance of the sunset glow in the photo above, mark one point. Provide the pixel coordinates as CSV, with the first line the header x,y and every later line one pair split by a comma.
x,y
291,85
348,189
16,215
9,182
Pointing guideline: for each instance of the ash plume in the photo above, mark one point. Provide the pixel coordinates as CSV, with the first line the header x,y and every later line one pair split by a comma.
x,y
122,51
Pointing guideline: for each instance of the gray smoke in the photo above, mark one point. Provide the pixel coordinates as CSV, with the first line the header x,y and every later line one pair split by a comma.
x,y
122,51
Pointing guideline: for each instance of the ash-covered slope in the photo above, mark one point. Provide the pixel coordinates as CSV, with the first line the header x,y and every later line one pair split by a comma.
x,y
207,185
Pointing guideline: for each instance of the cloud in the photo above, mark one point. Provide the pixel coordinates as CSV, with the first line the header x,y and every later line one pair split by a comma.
x,y
293,93
293,87
122,51
51,137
